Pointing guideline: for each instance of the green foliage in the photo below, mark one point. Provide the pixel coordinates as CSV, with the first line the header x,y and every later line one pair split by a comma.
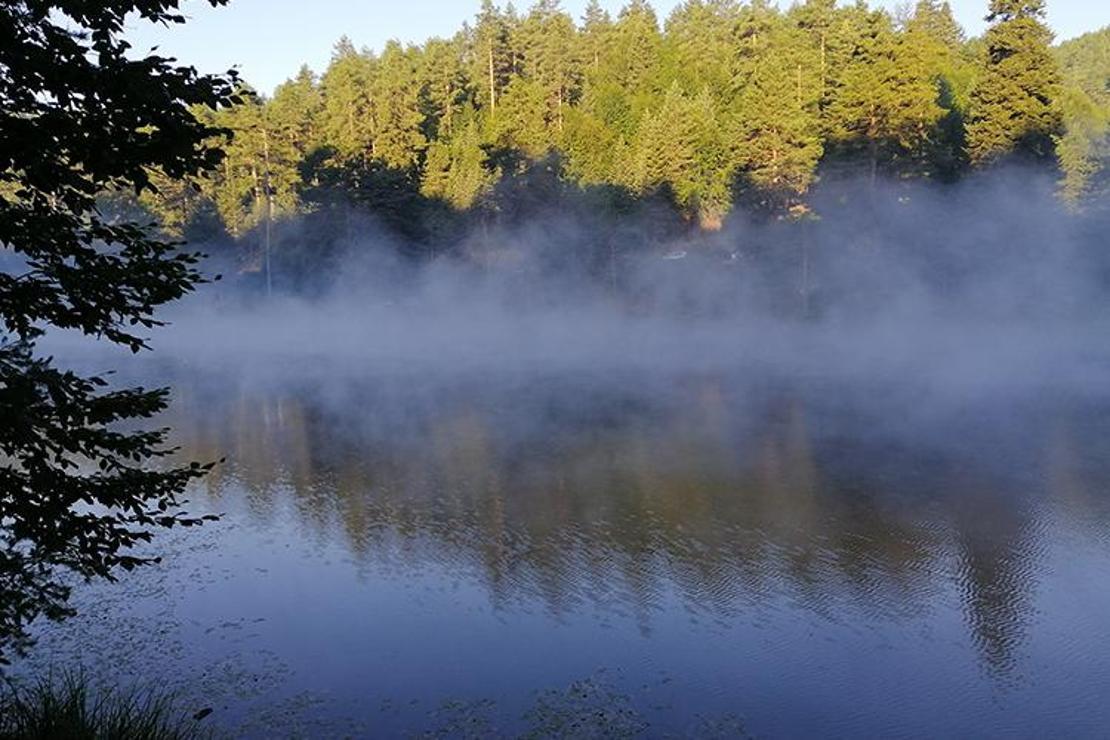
x,y
594,39
491,55
259,176
699,45
681,148
522,118
1085,63
1014,105
776,111
886,101
935,41
1083,149
456,169
347,117
397,139
549,60
81,119
636,45
933,20
594,150
730,101
443,87
831,33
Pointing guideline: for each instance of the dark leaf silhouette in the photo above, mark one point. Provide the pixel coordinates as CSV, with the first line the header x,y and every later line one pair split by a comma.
x,y
79,119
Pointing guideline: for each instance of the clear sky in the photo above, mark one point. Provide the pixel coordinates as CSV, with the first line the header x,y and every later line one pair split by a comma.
x,y
268,40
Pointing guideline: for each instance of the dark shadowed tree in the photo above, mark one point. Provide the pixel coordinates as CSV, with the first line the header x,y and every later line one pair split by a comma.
x,y
79,118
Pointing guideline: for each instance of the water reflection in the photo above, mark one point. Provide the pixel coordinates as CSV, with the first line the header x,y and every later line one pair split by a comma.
x,y
733,495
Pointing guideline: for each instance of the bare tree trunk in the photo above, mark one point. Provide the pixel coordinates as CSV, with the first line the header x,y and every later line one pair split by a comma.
x,y
269,209
447,110
824,73
492,86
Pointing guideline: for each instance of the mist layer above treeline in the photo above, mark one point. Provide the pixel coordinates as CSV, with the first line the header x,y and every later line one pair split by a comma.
x,y
724,107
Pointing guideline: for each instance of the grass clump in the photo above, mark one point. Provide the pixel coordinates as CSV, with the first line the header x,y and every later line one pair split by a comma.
x,y
67,707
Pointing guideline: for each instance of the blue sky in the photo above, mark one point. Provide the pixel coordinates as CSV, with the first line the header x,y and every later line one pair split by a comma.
x,y
268,40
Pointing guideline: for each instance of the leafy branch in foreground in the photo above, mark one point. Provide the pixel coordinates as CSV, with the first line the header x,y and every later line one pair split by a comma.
x,y
78,119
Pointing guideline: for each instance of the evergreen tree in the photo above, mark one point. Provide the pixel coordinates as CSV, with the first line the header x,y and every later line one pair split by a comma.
x,y
347,124
1014,107
682,149
595,37
621,86
753,43
259,180
935,41
886,104
239,188
547,45
492,58
700,39
1085,63
828,32
456,169
523,120
635,52
443,86
769,94
295,112
398,138
594,151
177,204
1083,150
933,19
776,110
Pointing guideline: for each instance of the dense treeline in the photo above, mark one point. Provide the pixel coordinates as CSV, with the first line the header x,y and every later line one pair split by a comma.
x,y
726,104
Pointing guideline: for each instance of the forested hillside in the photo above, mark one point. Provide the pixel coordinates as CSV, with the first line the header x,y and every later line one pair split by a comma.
x,y
722,107
1084,148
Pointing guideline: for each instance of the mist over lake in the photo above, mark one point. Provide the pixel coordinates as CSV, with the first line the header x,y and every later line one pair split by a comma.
x,y
465,502
759,554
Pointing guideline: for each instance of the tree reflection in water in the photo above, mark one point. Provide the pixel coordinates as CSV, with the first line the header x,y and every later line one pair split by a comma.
x,y
606,497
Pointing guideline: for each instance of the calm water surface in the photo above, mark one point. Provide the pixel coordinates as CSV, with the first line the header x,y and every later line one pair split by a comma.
x,y
683,555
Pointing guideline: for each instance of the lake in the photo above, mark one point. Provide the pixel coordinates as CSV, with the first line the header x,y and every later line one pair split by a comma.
x,y
622,552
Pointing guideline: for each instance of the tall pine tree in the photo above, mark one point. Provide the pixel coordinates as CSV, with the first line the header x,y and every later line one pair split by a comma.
x,y
1014,105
